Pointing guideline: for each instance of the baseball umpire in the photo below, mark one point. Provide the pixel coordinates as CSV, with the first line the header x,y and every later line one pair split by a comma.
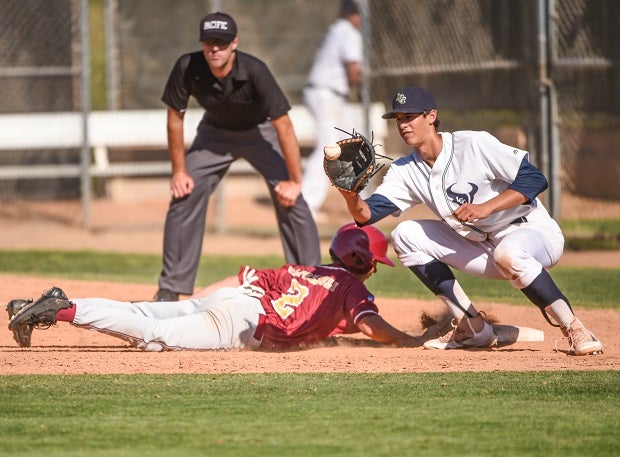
x,y
246,115
285,308
490,221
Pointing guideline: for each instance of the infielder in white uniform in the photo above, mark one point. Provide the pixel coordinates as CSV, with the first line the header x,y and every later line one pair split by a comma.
x,y
490,221
336,69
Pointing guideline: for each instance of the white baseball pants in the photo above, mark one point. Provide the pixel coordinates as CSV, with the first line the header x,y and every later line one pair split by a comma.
x,y
226,319
518,252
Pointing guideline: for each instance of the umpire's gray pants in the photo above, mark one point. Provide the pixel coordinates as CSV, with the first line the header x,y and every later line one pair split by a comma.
x,y
207,161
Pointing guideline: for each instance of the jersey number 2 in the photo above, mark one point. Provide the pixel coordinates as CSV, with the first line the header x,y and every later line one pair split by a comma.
x,y
287,303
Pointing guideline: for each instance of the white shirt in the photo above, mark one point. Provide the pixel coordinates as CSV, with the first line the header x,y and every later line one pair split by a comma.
x,y
341,44
472,167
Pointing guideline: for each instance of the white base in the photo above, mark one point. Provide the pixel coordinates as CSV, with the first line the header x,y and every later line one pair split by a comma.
x,y
513,333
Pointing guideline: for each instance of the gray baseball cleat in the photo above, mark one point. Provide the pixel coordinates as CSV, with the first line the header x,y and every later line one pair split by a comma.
x,y
22,333
468,332
582,340
41,313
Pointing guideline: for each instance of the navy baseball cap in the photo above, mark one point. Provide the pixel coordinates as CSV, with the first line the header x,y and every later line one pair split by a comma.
x,y
218,25
411,100
348,7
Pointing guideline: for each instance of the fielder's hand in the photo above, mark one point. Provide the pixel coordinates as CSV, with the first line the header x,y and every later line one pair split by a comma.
x,y
350,163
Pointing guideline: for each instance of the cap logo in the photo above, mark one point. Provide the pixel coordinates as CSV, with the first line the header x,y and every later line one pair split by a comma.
x,y
215,25
400,98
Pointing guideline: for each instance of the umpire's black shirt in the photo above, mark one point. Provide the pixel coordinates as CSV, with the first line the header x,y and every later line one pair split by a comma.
x,y
249,95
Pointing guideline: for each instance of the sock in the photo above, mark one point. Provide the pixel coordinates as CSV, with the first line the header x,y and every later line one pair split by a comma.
x,y
438,277
67,314
561,313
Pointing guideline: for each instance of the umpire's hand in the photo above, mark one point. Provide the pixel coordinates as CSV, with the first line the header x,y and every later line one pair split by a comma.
x,y
287,192
181,185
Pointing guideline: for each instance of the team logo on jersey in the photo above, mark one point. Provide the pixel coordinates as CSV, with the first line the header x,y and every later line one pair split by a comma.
x,y
462,192
400,98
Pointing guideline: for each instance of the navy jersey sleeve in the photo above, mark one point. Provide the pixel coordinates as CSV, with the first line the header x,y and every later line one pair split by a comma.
x,y
529,181
380,207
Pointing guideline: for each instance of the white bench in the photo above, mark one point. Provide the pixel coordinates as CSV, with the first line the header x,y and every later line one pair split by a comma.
x,y
130,129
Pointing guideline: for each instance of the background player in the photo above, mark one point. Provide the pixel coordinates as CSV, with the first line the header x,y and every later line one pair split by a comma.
x,y
491,223
246,115
336,70
289,307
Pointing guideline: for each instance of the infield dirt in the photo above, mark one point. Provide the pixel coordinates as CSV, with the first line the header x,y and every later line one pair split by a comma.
x,y
132,223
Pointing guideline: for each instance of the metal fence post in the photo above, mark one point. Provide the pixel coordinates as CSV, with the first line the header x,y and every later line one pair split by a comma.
x,y
111,53
555,146
365,86
549,136
85,177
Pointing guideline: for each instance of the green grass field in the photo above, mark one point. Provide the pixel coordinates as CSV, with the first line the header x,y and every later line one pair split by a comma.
x,y
564,413
462,414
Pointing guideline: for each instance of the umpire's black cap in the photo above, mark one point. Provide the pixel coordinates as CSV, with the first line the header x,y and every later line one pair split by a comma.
x,y
411,100
218,25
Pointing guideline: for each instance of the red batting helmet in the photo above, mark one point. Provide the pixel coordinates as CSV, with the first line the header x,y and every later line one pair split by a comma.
x,y
351,249
377,240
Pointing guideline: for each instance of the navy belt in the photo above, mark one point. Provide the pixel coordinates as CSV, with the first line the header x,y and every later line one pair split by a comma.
x,y
519,220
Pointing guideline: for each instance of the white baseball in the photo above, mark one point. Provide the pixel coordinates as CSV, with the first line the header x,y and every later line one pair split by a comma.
x,y
332,151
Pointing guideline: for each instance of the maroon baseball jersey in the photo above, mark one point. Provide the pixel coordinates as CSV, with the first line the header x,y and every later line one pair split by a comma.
x,y
306,304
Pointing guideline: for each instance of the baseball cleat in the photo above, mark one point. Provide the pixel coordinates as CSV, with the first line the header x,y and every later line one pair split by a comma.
x,y
166,295
41,313
22,333
582,341
464,335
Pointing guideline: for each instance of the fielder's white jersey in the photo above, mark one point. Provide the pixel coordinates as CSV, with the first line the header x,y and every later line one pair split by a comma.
x,y
472,167
342,44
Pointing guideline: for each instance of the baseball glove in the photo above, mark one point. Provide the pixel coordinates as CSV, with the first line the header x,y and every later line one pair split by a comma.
x,y
356,164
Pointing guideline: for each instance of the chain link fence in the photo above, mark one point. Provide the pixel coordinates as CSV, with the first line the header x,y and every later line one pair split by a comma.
x,y
481,58
40,71
585,60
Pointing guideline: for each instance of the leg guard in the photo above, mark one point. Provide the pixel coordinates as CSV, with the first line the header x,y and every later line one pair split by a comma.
x,y
438,277
544,292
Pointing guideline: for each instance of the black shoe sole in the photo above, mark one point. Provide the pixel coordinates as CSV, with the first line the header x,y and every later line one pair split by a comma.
x,y
43,311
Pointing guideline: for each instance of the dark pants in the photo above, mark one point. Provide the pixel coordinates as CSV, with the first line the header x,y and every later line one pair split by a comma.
x,y
207,161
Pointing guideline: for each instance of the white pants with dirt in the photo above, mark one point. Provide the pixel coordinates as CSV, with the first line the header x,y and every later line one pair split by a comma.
x,y
517,252
226,319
